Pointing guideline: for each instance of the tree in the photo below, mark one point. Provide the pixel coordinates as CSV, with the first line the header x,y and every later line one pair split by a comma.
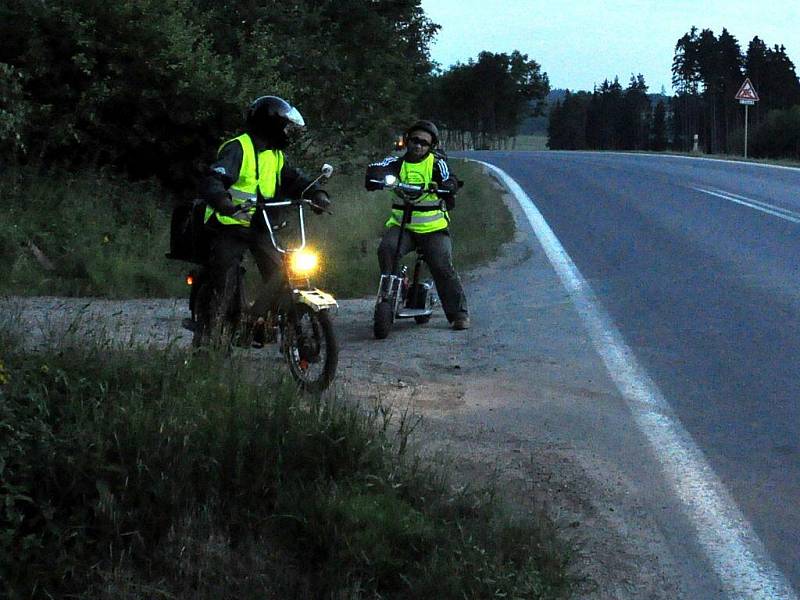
x,y
686,81
567,124
489,98
658,136
99,100
773,76
151,86
634,122
357,67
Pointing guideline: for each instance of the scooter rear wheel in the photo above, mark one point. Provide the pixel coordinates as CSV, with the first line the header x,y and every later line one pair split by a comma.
x,y
382,321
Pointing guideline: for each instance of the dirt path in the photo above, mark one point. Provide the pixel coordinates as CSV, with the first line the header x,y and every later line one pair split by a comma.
x,y
520,399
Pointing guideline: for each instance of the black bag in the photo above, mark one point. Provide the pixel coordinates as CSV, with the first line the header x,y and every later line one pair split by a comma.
x,y
188,239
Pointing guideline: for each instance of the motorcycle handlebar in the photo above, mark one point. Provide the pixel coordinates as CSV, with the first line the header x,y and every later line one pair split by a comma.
x,y
247,204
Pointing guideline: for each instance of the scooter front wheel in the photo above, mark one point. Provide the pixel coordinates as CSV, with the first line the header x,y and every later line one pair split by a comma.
x,y
382,320
310,348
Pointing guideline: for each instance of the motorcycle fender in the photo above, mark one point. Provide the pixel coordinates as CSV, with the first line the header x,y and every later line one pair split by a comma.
x,y
316,299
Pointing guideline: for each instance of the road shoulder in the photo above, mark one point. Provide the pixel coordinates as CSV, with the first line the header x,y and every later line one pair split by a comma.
x,y
522,400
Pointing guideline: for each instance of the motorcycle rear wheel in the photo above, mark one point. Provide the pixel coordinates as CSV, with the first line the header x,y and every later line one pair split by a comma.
x,y
310,348
216,325
382,319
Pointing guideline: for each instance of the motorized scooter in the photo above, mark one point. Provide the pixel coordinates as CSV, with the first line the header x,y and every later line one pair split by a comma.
x,y
398,296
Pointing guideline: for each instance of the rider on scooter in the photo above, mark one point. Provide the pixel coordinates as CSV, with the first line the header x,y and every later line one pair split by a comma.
x,y
250,166
428,229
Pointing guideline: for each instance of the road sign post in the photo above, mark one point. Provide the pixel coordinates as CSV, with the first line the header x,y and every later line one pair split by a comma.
x,y
746,95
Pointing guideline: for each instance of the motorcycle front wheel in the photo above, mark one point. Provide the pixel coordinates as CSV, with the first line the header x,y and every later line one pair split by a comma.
x,y
310,348
382,320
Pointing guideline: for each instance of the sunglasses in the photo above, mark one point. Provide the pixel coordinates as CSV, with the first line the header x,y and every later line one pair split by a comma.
x,y
418,141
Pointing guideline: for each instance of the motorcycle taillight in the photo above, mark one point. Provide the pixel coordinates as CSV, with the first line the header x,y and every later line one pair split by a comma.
x,y
190,279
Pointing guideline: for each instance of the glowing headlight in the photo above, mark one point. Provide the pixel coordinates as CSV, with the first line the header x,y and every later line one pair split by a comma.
x,y
303,262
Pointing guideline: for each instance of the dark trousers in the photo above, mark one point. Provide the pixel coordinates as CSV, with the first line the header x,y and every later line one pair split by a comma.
x,y
227,248
437,249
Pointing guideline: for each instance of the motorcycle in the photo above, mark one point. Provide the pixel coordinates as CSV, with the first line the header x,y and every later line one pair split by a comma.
x,y
398,296
300,320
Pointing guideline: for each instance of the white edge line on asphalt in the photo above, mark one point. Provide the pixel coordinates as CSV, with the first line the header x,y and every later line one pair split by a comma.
x,y
682,157
775,211
728,540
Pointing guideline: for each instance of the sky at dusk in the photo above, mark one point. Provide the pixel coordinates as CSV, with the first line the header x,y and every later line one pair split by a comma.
x,y
581,43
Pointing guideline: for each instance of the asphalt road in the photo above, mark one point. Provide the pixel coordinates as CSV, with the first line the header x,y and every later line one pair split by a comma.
x,y
696,263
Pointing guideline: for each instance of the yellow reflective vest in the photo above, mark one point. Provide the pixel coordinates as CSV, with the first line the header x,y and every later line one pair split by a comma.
x,y
257,174
427,215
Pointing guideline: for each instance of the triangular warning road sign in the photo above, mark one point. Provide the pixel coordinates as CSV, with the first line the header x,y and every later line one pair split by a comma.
x,y
747,91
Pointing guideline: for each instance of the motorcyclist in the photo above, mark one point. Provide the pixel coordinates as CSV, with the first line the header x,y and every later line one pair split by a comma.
x,y
428,228
250,166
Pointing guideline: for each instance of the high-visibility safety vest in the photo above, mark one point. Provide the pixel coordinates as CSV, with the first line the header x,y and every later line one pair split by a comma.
x,y
427,215
257,174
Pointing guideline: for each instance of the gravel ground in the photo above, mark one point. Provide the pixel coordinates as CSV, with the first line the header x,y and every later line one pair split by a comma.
x,y
504,401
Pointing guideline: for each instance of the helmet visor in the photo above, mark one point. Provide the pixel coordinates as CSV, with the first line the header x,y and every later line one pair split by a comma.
x,y
294,117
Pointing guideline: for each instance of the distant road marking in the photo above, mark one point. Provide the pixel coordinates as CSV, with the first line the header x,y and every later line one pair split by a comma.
x,y
764,207
732,547
678,156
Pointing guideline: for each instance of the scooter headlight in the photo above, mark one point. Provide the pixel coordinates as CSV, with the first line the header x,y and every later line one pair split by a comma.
x,y
303,263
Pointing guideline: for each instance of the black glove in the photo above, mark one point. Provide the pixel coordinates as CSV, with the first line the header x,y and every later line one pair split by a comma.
x,y
320,202
227,207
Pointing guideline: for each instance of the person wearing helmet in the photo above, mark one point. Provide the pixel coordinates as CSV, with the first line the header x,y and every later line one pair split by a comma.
x,y
423,163
251,165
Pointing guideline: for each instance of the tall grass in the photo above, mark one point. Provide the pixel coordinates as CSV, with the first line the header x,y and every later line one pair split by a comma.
x,y
143,473
84,234
100,236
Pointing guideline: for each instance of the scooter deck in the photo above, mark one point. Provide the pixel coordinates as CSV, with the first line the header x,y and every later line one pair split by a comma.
x,y
407,313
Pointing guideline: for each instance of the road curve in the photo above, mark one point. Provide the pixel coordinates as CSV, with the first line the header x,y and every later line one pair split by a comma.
x,y
695,263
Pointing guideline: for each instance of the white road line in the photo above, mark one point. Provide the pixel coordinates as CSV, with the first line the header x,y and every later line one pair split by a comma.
x,y
746,163
764,207
732,547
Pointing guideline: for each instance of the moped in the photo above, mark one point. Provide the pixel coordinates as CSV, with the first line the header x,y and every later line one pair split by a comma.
x,y
300,319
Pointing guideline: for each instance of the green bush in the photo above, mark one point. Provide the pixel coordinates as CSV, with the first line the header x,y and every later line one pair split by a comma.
x,y
779,136
85,233
135,84
14,110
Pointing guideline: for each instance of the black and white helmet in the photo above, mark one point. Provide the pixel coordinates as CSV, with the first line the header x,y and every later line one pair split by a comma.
x,y
427,126
274,120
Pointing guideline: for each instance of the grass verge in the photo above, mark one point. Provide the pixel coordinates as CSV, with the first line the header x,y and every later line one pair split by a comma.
x,y
142,473
86,234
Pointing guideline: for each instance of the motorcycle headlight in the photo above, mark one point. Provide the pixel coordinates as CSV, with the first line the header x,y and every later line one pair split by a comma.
x,y
303,262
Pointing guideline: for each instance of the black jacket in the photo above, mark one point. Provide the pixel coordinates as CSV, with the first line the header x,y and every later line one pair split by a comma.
x,y
391,165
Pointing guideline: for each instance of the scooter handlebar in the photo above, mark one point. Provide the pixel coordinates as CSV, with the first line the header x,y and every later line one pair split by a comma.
x,y
397,185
